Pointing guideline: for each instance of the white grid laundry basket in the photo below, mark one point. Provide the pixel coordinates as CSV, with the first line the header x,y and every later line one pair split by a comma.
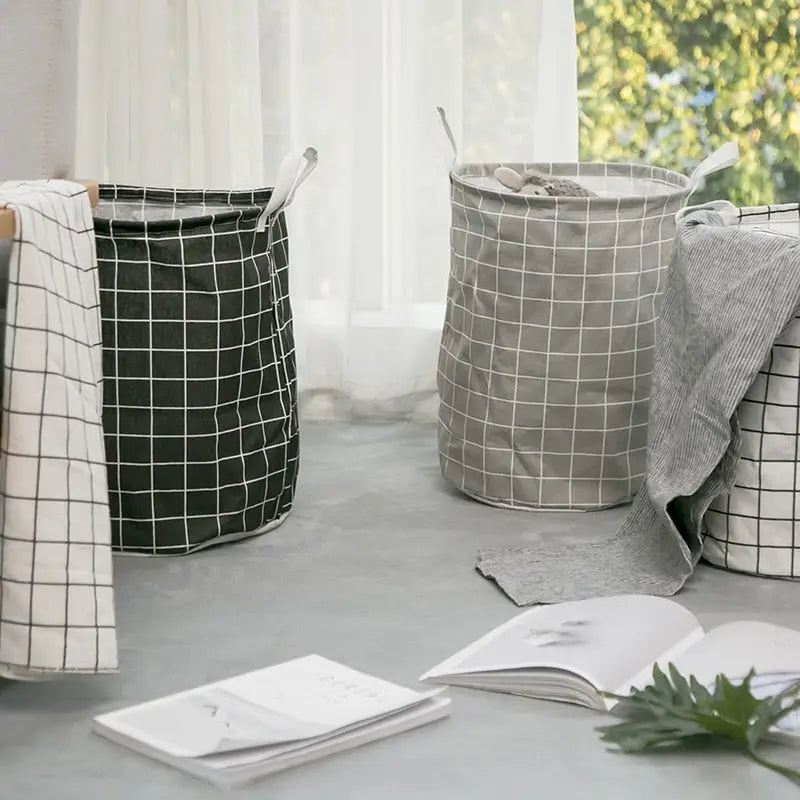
x,y
547,348
756,527
200,385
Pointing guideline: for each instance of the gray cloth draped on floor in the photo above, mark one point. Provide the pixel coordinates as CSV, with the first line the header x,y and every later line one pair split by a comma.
x,y
729,293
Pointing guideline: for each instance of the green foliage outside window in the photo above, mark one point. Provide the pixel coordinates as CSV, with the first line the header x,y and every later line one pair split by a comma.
x,y
667,81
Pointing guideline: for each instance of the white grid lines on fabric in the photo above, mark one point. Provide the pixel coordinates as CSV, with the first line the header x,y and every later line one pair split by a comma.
x,y
581,330
472,319
243,456
184,288
217,435
548,355
517,330
221,374
603,453
151,417
566,248
633,384
512,374
280,359
512,455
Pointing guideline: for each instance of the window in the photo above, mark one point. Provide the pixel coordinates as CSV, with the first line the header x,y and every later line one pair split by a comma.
x,y
667,81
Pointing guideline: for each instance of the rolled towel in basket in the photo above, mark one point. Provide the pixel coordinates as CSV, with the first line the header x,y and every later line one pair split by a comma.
x,y
729,294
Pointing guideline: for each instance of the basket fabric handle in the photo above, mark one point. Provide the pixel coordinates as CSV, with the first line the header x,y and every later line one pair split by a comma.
x,y
727,210
294,169
448,132
722,158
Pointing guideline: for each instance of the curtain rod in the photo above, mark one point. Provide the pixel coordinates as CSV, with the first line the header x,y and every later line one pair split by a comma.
x,y
8,218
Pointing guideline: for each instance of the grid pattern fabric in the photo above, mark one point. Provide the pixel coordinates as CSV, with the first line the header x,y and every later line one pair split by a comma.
x,y
547,349
56,592
755,528
200,407
729,293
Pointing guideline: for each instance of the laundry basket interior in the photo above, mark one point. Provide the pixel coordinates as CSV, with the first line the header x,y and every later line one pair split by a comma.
x,y
604,179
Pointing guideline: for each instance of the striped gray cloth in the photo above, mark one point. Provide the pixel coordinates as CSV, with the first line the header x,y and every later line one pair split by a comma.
x,y
755,528
730,292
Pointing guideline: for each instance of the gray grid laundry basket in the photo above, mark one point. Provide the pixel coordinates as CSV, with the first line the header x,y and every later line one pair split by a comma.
x,y
200,399
755,528
547,348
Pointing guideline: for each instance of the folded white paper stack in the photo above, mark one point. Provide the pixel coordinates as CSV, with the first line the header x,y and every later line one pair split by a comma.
x,y
238,730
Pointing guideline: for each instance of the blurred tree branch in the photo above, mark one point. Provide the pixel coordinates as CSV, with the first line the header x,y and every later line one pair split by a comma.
x,y
667,81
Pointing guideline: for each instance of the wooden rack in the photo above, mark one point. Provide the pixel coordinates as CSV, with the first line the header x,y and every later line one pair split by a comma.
x,y
8,221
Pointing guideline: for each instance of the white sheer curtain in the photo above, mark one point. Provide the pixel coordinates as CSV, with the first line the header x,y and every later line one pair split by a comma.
x,y
205,93
38,57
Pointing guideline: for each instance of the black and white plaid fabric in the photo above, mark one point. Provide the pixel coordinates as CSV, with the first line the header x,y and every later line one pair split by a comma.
x,y
200,410
56,595
756,527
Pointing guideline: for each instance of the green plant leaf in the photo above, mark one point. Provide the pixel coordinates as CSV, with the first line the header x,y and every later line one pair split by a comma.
x,y
682,688
771,711
698,690
678,711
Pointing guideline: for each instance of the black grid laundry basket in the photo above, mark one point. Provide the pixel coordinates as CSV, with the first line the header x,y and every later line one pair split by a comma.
x,y
547,349
200,401
755,528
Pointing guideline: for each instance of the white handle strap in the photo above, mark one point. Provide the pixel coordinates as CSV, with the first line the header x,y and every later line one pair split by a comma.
x,y
294,169
726,156
728,211
448,132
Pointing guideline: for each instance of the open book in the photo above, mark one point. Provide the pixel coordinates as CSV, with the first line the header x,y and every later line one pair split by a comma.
x,y
238,730
573,652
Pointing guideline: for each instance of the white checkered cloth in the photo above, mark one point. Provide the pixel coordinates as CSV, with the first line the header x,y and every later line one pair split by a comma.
x,y
730,292
56,595
547,350
756,527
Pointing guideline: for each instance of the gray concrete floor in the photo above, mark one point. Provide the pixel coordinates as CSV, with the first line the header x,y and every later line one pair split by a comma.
x,y
374,569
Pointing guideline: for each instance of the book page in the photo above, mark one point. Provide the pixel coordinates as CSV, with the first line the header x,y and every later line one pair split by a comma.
x,y
242,758
205,721
737,647
316,690
604,640
733,650
232,770
300,699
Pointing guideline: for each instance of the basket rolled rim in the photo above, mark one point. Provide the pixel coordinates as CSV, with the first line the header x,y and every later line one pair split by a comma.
x,y
244,205
770,210
676,184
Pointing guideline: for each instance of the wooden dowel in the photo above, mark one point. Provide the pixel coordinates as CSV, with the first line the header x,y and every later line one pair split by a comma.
x,y
8,218
7,223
